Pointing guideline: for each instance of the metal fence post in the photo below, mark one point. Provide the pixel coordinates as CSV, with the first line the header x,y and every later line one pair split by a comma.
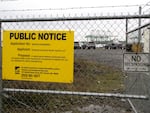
x,y
126,31
139,31
0,74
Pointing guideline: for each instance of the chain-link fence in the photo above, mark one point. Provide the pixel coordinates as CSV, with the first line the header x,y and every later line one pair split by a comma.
x,y
99,44
138,37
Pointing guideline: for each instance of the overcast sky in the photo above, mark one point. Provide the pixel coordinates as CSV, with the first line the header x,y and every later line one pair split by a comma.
x,y
42,4
7,7
23,5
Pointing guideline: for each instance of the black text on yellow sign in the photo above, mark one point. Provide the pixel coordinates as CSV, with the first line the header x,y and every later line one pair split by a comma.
x,y
38,36
45,56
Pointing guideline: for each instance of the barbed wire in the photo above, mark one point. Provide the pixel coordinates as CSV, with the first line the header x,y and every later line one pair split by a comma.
x,y
7,0
74,8
147,4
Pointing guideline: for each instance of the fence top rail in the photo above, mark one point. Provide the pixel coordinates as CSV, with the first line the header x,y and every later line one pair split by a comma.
x,y
76,18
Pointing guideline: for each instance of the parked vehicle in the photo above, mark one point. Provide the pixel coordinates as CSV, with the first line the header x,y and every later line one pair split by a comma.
x,y
91,45
111,46
77,45
129,47
114,46
84,45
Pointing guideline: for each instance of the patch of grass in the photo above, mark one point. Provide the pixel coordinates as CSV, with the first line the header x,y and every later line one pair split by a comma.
x,y
88,77
91,76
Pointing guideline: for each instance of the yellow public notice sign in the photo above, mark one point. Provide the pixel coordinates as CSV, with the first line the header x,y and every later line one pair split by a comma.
x,y
36,55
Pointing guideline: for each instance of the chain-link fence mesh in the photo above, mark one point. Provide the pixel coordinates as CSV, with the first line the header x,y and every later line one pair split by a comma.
x,y
97,68
138,41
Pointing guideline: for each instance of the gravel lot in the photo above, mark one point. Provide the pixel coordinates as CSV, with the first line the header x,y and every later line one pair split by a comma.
x,y
135,83
110,57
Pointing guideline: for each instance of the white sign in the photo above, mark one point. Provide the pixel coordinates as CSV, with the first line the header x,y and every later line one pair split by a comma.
x,y
136,62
